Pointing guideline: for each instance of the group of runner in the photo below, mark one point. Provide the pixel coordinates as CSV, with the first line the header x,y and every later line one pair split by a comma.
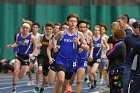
x,y
64,51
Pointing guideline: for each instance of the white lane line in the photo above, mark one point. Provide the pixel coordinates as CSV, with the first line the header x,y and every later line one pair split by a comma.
x,y
18,82
12,86
11,82
10,79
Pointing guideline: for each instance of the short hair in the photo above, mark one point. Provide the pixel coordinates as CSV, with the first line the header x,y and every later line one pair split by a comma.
x,y
65,23
98,26
119,33
36,24
58,24
104,25
72,15
126,15
27,21
49,24
87,21
124,18
82,21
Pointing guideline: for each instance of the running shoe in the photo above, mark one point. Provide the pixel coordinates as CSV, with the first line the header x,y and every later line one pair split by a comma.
x,y
36,89
42,90
86,79
95,83
68,89
30,83
91,88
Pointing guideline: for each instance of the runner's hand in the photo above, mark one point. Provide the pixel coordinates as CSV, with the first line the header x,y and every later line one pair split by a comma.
x,y
76,40
9,46
90,58
80,50
31,56
51,60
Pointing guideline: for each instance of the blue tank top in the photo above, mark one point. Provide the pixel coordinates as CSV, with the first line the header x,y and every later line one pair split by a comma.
x,y
25,46
68,49
97,48
84,54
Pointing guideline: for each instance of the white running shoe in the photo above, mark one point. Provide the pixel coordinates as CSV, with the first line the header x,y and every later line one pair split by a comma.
x,y
30,83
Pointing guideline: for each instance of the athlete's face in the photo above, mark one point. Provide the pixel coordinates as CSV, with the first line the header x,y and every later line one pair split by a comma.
x,y
35,28
56,28
72,22
64,27
26,29
96,30
103,31
83,27
48,30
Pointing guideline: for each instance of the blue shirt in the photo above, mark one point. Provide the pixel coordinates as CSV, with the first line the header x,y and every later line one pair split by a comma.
x,y
68,49
84,54
25,46
97,48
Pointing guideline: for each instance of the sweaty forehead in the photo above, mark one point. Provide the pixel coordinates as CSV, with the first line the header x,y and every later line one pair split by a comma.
x,y
73,18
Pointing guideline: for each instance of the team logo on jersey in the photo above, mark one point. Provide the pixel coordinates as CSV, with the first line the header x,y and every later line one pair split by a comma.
x,y
25,42
97,45
68,40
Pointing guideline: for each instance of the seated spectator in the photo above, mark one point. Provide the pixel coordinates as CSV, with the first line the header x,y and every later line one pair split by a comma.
x,y
5,66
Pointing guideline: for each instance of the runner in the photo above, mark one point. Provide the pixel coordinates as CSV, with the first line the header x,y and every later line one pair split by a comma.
x,y
83,55
98,43
67,57
26,48
33,61
82,58
104,60
43,57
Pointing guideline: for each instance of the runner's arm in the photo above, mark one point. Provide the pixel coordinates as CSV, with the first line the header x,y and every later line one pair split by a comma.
x,y
34,44
15,44
59,35
91,49
82,41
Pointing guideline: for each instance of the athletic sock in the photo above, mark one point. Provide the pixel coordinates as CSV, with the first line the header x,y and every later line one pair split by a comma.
x,y
14,86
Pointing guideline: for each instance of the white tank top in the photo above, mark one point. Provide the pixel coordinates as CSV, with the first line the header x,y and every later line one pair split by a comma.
x,y
37,39
104,50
